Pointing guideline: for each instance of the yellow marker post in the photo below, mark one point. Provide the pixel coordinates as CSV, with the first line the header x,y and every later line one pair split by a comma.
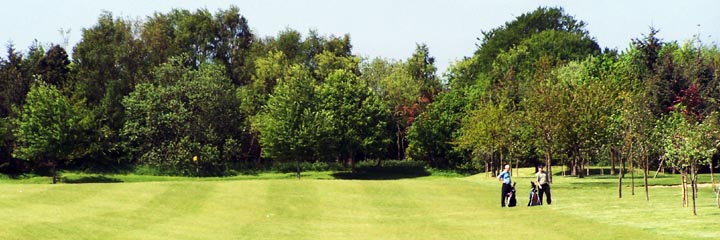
x,y
197,168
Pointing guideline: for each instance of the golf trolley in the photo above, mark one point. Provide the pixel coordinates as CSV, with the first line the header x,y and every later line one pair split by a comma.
x,y
534,197
510,199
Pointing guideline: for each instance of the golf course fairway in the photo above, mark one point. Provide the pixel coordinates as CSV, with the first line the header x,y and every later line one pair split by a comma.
x,y
415,208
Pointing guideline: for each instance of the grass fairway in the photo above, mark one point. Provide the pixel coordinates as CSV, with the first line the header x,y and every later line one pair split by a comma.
x,y
420,208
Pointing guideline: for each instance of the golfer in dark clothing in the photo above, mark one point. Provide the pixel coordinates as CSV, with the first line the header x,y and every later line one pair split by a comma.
x,y
504,178
543,185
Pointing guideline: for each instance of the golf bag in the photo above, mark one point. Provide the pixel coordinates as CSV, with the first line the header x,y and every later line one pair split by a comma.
x,y
534,197
511,200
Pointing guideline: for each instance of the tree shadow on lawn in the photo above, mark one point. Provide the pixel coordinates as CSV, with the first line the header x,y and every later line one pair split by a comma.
x,y
92,179
383,173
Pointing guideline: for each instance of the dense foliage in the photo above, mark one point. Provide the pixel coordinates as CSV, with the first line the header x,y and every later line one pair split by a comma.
x,y
198,93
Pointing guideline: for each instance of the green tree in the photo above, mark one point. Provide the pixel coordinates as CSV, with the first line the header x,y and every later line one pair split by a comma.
x,y
328,62
12,94
485,132
431,137
505,37
543,112
232,44
291,125
400,92
688,145
196,114
421,67
47,128
16,74
359,116
53,67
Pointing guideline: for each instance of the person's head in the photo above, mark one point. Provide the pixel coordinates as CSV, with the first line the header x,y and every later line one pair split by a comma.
x,y
507,167
540,168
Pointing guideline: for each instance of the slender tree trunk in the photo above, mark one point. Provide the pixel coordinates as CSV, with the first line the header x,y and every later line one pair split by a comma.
x,y
54,172
298,169
563,169
399,136
645,175
352,162
712,178
249,152
715,188
493,166
659,168
693,185
717,196
487,166
684,188
502,164
632,178
548,163
612,161
620,177
581,167
586,164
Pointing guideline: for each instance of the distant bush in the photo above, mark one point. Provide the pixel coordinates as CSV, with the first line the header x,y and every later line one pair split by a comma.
x,y
285,167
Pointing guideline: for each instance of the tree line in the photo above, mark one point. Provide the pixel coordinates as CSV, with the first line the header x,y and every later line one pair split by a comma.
x,y
159,91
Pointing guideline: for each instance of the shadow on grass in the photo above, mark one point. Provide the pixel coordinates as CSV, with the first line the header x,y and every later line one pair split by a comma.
x,y
92,179
391,172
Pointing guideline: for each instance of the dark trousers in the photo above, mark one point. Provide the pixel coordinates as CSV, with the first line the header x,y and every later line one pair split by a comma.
x,y
506,188
545,190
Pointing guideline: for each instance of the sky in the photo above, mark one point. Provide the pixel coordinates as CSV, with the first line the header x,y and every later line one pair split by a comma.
x,y
379,28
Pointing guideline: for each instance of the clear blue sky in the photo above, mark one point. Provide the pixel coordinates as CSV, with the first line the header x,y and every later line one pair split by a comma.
x,y
386,28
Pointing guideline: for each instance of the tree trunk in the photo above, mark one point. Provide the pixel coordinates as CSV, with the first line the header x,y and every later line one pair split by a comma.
x,y
623,169
684,188
645,175
587,168
581,167
298,169
693,185
563,169
632,178
712,178
487,167
352,162
659,168
399,136
502,165
548,164
717,196
493,166
620,177
715,189
402,145
612,161
517,167
54,173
